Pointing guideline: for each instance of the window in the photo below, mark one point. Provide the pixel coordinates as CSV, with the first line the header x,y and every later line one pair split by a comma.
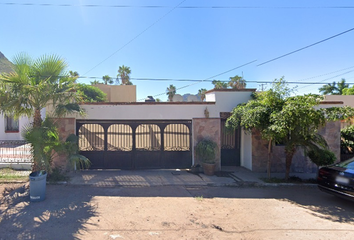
x,y
11,124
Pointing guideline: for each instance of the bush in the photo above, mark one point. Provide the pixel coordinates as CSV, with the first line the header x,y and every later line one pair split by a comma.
x,y
90,93
321,157
206,150
347,139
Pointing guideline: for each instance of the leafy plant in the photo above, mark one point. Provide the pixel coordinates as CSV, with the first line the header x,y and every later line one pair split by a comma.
x,y
45,142
206,150
347,139
76,160
321,157
90,93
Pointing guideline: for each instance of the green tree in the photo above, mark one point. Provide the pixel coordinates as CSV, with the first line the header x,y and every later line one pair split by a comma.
x,y
334,88
219,84
124,75
89,93
74,75
293,121
256,113
36,84
237,82
107,80
94,82
158,100
201,93
170,92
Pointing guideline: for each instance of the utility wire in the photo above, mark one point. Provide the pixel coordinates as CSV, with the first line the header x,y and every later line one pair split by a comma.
x,y
137,36
323,81
162,6
311,45
207,78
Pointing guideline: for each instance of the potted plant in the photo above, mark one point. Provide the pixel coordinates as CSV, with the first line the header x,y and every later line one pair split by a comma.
x,y
44,141
206,151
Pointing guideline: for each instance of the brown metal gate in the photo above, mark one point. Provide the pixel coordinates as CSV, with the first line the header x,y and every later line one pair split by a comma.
x,y
230,146
135,144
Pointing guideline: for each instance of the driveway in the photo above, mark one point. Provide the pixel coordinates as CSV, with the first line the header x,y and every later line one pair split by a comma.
x,y
177,212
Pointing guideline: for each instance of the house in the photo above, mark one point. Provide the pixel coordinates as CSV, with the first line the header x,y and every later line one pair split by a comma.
x,y
141,135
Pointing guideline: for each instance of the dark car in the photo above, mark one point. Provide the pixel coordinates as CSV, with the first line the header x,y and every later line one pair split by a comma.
x,y
338,179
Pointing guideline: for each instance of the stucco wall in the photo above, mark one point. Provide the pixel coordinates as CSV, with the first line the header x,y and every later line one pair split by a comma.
x,y
148,111
119,93
209,128
300,163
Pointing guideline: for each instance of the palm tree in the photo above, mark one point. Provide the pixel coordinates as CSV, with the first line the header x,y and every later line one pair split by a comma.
x,y
107,79
219,84
334,88
123,74
170,92
237,82
94,82
342,85
201,93
74,74
36,84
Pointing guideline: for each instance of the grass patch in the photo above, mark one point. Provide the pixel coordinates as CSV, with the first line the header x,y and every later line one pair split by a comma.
x,y
11,175
199,198
292,179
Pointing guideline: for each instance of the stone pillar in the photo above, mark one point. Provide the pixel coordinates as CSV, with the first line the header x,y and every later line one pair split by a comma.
x,y
207,128
66,126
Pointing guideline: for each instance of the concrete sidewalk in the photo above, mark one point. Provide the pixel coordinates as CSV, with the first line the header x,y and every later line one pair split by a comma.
x,y
230,176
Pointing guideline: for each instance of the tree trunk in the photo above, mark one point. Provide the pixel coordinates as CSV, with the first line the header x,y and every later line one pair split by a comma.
x,y
289,153
37,118
269,157
37,122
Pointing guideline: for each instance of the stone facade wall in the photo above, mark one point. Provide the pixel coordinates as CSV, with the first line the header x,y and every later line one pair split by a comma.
x,y
207,128
66,126
300,163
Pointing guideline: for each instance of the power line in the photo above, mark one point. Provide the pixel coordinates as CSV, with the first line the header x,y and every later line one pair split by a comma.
x,y
134,38
209,77
327,74
162,6
311,45
323,81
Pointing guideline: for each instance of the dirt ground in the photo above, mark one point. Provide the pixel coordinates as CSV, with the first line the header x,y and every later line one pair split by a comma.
x,y
84,212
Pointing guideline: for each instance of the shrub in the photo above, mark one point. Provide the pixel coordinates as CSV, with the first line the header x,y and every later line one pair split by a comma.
x,y
206,150
321,157
90,93
347,139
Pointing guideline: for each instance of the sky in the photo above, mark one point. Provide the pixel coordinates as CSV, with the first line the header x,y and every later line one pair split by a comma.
x,y
188,43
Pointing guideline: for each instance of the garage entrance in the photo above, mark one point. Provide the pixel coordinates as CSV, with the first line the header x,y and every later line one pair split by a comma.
x,y
135,144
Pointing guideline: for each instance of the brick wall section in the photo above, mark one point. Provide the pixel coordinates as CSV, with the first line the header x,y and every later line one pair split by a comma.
x,y
300,163
207,128
66,126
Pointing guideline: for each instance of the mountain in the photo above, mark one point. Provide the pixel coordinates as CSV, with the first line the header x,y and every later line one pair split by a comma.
x,y
5,64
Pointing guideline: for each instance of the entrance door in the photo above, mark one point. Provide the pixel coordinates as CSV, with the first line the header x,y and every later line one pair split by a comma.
x,y
230,146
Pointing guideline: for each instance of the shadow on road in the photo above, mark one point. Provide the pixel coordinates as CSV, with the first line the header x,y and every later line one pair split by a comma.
x,y
319,204
61,215
67,209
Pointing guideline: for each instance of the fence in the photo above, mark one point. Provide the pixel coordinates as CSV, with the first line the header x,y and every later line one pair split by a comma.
x,y
15,152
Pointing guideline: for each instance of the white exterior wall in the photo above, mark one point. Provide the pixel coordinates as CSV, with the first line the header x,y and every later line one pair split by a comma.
x,y
149,111
227,101
23,121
